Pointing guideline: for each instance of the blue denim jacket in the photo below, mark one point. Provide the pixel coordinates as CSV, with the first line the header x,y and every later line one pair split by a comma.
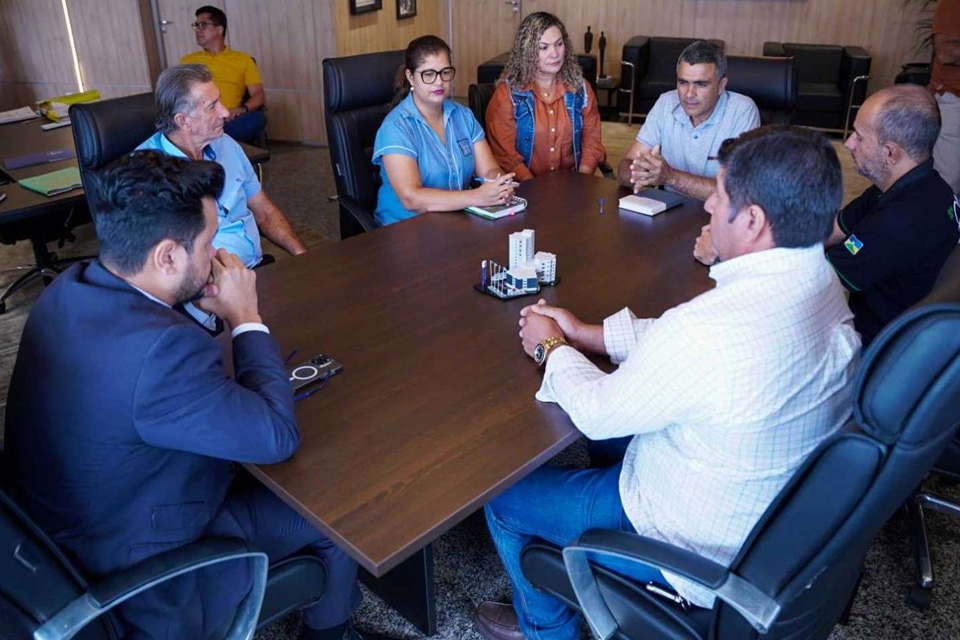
x,y
523,110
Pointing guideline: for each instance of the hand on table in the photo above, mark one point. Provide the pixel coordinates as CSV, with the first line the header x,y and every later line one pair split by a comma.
x,y
535,327
703,249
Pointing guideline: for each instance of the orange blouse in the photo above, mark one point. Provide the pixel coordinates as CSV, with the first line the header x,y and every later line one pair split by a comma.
x,y
553,133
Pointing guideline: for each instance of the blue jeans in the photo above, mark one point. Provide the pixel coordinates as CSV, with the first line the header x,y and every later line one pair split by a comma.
x,y
247,126
556,505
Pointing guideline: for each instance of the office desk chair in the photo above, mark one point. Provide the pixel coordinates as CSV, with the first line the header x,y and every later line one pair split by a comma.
x,y
798,571
770,82
946,290
43,596
357,91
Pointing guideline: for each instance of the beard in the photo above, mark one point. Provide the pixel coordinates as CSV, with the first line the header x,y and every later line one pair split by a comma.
x,y
191,289
873,169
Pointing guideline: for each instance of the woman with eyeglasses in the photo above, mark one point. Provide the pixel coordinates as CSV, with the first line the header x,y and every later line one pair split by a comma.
x,y
429,148
543,115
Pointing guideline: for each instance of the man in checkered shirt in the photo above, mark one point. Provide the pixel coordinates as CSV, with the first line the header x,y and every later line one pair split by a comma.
x,y
724,396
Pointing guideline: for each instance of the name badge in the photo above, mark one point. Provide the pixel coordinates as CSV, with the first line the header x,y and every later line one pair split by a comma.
x,y
466,149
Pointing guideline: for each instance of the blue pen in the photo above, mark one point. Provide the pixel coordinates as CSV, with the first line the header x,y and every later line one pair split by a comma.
x,y
307,394
601,206
287,359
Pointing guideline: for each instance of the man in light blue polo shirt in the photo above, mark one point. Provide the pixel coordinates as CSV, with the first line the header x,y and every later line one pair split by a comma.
x,y
190,124
679,141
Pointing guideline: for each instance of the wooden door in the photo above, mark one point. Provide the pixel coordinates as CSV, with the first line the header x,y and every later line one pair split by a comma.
x,y
482,29
175,18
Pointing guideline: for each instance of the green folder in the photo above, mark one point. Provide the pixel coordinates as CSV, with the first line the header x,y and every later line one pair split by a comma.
x,y
55,182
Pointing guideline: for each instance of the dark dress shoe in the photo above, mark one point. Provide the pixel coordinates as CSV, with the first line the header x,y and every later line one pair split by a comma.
x,y
497,621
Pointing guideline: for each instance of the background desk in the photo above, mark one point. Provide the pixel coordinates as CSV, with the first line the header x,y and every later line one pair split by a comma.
x,y
434,414
26,215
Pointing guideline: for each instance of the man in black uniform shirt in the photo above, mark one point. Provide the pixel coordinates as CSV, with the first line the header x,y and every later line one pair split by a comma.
x,y
888,244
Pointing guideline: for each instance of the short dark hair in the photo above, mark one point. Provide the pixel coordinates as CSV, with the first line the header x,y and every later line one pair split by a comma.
x,y
217,16
793,174
910,118
703,52
173,93
146,197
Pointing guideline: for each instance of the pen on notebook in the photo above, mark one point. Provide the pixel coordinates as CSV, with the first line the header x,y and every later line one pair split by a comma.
x,y
484,180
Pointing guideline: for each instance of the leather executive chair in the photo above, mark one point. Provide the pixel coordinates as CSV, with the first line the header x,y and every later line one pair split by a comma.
x,y
357,91
44,596
832,82
798,571
946,289
770,82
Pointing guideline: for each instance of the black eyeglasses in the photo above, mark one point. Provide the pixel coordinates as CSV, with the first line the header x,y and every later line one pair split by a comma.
x,y
200,26
429,76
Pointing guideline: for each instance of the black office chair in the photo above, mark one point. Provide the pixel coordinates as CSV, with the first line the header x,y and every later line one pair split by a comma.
x,y
770,82
946,290
357,91
43,595
798,571
832,82
103,131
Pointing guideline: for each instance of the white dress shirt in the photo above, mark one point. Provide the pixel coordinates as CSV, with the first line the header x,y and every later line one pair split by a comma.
x,y
237,330
726,395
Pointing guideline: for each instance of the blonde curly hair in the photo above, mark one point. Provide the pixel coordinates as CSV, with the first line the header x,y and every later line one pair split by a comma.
x,y
521,68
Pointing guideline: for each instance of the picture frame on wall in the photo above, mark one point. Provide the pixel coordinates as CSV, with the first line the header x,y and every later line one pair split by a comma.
x,y
364,6
406,9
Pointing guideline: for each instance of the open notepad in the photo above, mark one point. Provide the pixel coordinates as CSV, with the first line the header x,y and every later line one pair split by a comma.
x,y
500,211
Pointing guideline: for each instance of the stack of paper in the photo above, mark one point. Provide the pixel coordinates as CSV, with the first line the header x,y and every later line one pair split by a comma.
x,y
16,115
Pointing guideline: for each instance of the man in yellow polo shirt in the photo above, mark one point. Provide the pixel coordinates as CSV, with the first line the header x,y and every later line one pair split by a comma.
x,y
234,72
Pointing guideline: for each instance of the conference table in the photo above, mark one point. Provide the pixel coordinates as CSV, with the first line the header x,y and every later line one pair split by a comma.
x,y
27,215
434,413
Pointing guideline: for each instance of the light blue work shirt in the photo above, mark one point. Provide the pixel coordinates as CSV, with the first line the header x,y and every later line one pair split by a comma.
x,y
447,166
237,231
688,148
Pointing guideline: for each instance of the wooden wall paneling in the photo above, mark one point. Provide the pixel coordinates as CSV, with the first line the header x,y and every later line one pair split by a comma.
x,y
482,30
179,38
381,31
35,57
116,63
288,40
883,27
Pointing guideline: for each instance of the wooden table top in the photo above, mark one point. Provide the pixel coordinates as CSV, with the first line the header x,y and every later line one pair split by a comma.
x,y
434,413
22,138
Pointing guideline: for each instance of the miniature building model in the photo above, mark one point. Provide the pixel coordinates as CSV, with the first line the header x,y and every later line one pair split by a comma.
x,y
528,270
521,247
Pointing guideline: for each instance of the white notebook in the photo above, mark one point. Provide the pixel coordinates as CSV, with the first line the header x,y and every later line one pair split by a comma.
x,y
639,204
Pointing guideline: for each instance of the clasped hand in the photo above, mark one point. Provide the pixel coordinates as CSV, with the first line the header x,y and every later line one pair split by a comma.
x,y
541,321
496,191
649,169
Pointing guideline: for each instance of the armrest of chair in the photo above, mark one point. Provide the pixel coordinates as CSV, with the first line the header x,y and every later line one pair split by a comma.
x,y
854,63
636,52
759,609
774,49
120,587
358,212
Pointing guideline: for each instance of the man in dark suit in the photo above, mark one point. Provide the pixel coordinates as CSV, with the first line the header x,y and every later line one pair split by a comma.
x,y
122,424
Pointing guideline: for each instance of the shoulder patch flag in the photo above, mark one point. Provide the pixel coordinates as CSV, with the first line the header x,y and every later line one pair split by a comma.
x,y
853,244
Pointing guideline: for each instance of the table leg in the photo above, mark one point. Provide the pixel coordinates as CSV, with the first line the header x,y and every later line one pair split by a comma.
x,y
409,589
